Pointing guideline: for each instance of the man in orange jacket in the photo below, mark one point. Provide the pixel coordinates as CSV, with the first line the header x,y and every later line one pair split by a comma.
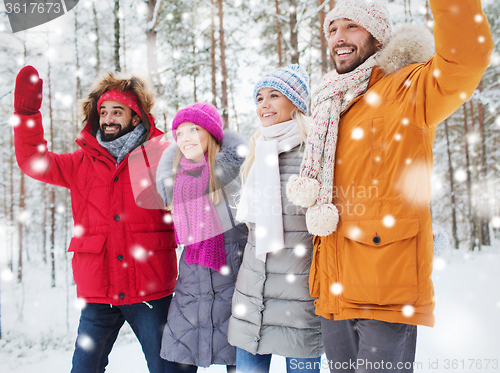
x,y
365,176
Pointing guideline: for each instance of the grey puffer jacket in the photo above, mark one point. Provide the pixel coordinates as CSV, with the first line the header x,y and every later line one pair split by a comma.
x,y
196,329
273,312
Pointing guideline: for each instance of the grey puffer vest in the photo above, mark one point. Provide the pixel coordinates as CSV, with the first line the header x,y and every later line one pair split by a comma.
x,y
273,312
198,317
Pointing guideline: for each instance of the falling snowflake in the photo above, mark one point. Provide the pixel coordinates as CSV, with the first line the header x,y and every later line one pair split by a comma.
x,y
481,39
170,17
408,311
14,120
478,18
377,159
167,218
144,183
40,165
272,160
60,209
7,275
336,288
397,137
225,270
80,303
357,134
290,278
497,121
408,161
460,175
373,99
34,78
389,221
439,264
240,310
78,231
85,342
495,221
299,250
92,37
23,216
260,232
354,233
242,151
405,121
41,148
168,182
463,96
139,253
30,123
436,73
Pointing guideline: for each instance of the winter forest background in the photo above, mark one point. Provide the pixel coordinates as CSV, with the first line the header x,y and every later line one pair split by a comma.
x,y
199,50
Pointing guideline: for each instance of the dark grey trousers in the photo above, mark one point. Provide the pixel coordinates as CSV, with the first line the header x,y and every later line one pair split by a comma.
x,y
365,346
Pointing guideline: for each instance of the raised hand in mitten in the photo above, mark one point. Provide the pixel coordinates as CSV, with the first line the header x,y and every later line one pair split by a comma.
x,y
28,92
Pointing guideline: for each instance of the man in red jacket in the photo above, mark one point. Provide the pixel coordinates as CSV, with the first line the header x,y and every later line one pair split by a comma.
x,y
124,262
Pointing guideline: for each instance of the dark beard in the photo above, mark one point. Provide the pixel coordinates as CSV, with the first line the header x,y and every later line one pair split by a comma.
x,y
366,51
122,131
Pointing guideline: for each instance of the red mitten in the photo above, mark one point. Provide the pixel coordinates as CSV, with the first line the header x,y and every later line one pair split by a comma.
x,y
28,92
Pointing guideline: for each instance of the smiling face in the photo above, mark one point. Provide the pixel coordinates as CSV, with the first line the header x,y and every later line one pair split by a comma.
x,y
273,107
192,141
350,45
116,120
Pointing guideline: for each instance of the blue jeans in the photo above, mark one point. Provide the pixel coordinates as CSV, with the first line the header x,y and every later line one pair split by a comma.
x,y
250,363
99,327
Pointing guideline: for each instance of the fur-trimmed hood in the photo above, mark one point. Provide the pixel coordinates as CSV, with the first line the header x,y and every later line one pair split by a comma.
x,y
227,162
409,44
121,82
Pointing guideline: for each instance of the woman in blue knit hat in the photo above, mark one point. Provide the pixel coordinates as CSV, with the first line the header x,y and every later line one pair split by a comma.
x,y
273,312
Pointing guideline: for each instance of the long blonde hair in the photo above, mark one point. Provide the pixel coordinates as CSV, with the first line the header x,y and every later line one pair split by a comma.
x,y
214,187
303,123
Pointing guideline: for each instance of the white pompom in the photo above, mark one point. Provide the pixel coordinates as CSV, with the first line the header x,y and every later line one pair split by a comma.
x,y
302,191
322,220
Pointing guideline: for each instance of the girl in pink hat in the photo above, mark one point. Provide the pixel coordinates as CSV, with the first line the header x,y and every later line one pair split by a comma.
x,y
197,179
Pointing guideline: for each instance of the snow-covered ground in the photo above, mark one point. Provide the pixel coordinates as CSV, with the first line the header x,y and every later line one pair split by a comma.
x,y
39,322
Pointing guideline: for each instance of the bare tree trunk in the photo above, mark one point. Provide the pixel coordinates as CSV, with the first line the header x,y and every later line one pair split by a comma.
x,y
294,40
225,114
332,5
231,89
322,38
477,205
278,33
212,54
154,7
483,184
195,87
44,222
52,194
471,217
20,229
116,15
11,207
77,58
96,43
452,189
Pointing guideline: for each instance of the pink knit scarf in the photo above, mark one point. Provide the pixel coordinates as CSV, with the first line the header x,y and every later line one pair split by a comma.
x,y
196,222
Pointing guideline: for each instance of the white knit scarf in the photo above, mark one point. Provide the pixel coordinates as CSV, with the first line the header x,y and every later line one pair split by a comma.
x,y
313,188
261,198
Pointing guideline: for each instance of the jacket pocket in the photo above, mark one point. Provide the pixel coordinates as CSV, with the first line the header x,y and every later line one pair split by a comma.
x,y
90,270
380,262
154,261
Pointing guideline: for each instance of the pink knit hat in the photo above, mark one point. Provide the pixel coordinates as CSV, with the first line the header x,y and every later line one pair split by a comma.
x,y
202,114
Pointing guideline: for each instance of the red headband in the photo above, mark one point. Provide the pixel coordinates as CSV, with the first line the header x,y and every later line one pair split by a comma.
x,y
128,98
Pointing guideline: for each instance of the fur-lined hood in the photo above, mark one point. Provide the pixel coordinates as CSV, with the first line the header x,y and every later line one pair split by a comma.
x,y
121,82
409,44
227,162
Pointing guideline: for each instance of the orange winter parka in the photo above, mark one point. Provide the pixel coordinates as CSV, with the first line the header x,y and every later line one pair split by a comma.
x,y
378,263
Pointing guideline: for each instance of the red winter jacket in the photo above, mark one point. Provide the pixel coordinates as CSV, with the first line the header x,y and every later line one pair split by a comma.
x,y
123,253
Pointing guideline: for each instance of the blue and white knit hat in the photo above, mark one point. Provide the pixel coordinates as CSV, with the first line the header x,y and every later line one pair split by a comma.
x,y
292,81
